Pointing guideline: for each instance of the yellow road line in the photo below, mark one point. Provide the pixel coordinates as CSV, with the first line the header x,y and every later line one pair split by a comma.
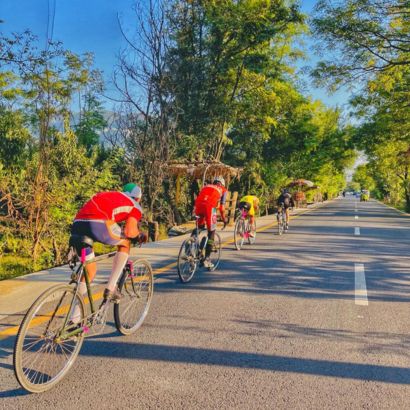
x,y
12,331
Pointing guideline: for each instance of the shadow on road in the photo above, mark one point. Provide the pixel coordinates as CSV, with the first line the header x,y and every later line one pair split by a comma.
x,y
346,370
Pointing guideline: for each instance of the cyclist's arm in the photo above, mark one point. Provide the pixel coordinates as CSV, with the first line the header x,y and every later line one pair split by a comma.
x,y
222,211
222,205
131,229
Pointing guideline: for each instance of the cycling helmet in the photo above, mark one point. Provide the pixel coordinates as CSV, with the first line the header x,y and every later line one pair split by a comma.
x,y
219,180
132,190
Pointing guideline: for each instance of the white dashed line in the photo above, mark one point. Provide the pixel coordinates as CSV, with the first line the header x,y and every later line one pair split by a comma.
x,y
357,231
360,290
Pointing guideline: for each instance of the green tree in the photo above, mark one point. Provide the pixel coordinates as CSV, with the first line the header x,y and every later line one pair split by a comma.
x,y
224,51
91,123
366,36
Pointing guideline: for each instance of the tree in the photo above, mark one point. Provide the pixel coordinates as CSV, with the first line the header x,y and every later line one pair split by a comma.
x,y
367,37
148,114
91,123
44,174
363,177
223,51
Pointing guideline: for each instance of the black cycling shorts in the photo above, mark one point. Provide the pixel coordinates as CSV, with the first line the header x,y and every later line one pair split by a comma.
x,y
245,205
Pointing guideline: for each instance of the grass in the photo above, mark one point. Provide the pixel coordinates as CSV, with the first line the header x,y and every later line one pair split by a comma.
x,y
12,266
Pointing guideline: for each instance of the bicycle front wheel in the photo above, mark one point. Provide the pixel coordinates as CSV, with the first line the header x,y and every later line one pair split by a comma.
x,y
238,233
137,289
44,351
187,260
216,252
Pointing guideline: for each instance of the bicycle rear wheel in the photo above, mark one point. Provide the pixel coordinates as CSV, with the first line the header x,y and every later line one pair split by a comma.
x,y
187,260
42,354
216,252
280,225
137,289
238,233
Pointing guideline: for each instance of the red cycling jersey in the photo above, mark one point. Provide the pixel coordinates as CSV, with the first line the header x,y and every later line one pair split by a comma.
x,y
207,201
109,206
212,195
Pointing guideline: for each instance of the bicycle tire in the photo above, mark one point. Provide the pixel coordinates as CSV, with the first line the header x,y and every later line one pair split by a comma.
x,y
137,290
187,262
280,225
215,256
238,233
37,379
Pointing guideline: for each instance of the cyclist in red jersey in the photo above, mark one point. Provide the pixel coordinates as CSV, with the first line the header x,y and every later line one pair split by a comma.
x,y
210,197
98,219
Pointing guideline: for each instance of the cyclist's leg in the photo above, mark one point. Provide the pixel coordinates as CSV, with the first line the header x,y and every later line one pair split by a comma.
x,y
84,228
91,269
278,215
287,215
108,233
211,222
200,210
112,236
251,215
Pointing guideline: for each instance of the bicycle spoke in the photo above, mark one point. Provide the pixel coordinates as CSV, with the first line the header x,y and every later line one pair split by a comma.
x,y
40,358
137,292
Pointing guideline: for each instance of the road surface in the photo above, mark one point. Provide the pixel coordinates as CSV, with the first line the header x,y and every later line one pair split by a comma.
x,y
317,318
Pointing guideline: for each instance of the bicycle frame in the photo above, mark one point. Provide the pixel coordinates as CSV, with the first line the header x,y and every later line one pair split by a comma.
x,y
245,216
200,246
76,278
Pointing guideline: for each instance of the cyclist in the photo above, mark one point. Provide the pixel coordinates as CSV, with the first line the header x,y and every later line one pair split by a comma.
x,y
210,197
98,219
285,201
251,204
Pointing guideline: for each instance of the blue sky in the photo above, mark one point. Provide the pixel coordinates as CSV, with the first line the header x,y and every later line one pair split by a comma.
x,y
91,25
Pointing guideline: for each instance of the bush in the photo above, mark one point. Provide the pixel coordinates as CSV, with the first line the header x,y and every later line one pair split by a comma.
x,y
13,266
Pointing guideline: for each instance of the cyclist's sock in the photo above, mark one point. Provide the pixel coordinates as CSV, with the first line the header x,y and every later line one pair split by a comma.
x,y
120,259
208,248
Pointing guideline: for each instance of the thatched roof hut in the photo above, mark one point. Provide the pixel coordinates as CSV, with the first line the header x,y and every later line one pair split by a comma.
x,y
203,170
200,170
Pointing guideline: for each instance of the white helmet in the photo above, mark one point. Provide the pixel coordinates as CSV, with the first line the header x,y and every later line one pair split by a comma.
x,y
219,180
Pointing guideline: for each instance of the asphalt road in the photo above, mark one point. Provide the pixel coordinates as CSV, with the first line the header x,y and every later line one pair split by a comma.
x,y
316,319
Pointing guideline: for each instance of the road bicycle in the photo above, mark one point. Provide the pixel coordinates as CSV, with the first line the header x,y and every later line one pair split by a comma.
x,y
48,342
192,253
281,218
244,230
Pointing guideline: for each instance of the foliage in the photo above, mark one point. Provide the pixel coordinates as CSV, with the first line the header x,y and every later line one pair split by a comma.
x,y
367,36
198,80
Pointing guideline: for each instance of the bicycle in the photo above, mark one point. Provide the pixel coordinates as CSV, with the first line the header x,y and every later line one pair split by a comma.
x,y
281,218
243,229
48,342
192,253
